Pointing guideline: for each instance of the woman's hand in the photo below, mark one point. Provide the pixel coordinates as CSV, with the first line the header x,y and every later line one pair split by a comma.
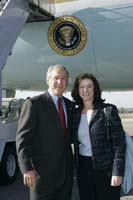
x,y
116,180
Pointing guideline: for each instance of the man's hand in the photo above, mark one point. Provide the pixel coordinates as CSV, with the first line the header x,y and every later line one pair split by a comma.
x,y
116,180
29,178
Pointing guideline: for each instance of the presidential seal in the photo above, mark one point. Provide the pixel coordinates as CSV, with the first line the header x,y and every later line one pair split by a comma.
x,y
67,35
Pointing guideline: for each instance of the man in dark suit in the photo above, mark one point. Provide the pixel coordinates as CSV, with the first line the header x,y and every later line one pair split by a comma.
x,y
43,144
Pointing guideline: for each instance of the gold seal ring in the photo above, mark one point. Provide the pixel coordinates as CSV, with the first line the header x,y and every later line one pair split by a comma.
x,y
67,35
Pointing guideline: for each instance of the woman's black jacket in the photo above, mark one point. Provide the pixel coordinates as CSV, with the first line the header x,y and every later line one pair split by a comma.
x,y
107,153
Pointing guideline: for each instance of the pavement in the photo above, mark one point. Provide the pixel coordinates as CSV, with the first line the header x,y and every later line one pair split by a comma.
x,y
17,191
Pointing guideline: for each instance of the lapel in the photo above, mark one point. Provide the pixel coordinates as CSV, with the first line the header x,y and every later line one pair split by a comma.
x,y
76,118
52,110
68,111
95,111
77,115
97,108
49,105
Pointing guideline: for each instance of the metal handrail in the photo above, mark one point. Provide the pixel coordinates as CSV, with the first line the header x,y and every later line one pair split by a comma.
x,y
47,5
3,4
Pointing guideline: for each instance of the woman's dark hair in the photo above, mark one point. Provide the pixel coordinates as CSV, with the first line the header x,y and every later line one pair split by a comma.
x,y
97,89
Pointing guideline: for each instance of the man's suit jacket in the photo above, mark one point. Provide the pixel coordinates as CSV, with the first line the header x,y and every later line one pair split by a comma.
x,y
40,140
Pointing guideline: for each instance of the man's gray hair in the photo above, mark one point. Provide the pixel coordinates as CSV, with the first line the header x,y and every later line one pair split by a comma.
x,y
51,68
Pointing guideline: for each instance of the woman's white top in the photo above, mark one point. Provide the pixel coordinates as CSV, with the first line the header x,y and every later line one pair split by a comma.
x,y
84,135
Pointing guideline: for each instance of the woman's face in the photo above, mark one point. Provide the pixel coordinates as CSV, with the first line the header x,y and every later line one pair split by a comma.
x,y
86,89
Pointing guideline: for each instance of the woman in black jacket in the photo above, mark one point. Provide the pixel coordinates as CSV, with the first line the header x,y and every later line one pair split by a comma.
x,y
99,142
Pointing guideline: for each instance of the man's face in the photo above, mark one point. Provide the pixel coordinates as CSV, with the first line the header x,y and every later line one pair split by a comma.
x,y
58,81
